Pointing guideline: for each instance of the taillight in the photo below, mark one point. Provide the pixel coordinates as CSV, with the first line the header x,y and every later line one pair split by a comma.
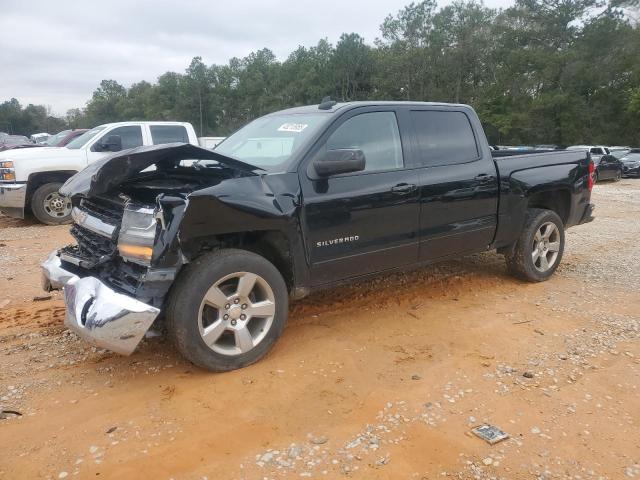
x,y
592,169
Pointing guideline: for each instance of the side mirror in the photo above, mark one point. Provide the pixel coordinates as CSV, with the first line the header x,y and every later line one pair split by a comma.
x,y
335,162
113,143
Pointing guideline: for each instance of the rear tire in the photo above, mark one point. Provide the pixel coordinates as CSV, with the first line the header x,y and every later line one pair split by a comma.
x,y
227,309
539,248
618,176
49,206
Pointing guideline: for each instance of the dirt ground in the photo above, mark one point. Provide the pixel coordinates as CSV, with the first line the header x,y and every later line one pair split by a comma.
x,y
383,380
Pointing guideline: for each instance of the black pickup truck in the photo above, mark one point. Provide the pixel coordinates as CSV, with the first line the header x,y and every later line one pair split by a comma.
x,y
211,245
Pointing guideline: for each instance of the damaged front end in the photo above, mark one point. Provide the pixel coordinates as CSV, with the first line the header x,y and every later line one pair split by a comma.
x,y
127,210
97,312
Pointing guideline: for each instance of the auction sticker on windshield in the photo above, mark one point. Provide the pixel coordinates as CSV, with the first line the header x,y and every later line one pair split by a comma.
x,y
292,127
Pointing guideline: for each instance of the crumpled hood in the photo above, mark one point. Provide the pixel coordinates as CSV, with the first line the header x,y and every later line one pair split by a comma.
x,y
107,173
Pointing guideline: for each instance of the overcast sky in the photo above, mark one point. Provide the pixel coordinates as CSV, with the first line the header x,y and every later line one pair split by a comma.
x,y
56,53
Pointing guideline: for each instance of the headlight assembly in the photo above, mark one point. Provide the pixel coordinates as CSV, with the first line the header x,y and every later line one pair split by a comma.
x,y
7,172
137,234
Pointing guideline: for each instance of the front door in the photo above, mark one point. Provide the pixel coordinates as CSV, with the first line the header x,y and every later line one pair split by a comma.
x,y
458,183
131,136
367,221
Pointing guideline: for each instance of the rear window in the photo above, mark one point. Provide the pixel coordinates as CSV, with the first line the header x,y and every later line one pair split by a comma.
x,y
444,138
168,134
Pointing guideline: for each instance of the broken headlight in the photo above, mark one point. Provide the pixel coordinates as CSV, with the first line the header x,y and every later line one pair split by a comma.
x,y
137,234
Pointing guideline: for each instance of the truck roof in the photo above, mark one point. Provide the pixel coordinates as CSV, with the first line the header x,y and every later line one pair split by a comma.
x,y
135,122
341,106
583,147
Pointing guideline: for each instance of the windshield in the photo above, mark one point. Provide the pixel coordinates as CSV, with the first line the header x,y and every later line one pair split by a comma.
x,y
631,157
85,137
270,142
57,138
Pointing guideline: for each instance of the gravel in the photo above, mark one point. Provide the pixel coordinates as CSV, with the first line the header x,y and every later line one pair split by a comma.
x,y
612,246
599,257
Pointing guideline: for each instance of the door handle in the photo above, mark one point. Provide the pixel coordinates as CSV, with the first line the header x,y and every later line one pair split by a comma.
x,y
484,178
404,188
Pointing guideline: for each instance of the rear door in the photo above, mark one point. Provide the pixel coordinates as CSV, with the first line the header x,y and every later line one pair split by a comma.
x,y
367,221
457,180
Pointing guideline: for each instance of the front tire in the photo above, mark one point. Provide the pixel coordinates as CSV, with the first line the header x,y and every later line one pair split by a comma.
x,y
539,248
618,176
49,206
227,309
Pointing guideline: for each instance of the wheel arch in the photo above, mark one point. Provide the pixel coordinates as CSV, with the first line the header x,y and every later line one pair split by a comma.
x,y
36,180
558,201
273,245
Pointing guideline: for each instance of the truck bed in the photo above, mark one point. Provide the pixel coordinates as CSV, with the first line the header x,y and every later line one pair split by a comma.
x,y
510,161
556,179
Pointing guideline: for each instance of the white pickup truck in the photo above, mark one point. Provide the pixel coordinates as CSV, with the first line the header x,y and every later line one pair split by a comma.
x,y
30,178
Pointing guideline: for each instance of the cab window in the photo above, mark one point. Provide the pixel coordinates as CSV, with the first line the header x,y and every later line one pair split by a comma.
x,y
376,134
131,136
168,134
444,138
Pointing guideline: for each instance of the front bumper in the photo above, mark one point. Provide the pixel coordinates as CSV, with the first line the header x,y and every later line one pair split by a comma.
x,y
631,171
98,313
12,199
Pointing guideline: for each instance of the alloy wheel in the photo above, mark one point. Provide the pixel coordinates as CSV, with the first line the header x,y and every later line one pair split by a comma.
x,y
236,313
546,246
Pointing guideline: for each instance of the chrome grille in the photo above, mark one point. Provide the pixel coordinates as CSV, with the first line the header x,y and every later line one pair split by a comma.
x,y
91,244
95,229
106,211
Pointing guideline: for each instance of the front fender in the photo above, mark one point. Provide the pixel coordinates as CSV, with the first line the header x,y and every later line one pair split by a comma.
x,y
240,205
245,205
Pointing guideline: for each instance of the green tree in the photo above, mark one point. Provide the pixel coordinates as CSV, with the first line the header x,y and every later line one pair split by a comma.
x,y
541,71
106,103
194,93
352,65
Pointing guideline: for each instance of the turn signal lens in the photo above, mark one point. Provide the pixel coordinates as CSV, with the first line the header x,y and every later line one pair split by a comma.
x,y
136,251
7,172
